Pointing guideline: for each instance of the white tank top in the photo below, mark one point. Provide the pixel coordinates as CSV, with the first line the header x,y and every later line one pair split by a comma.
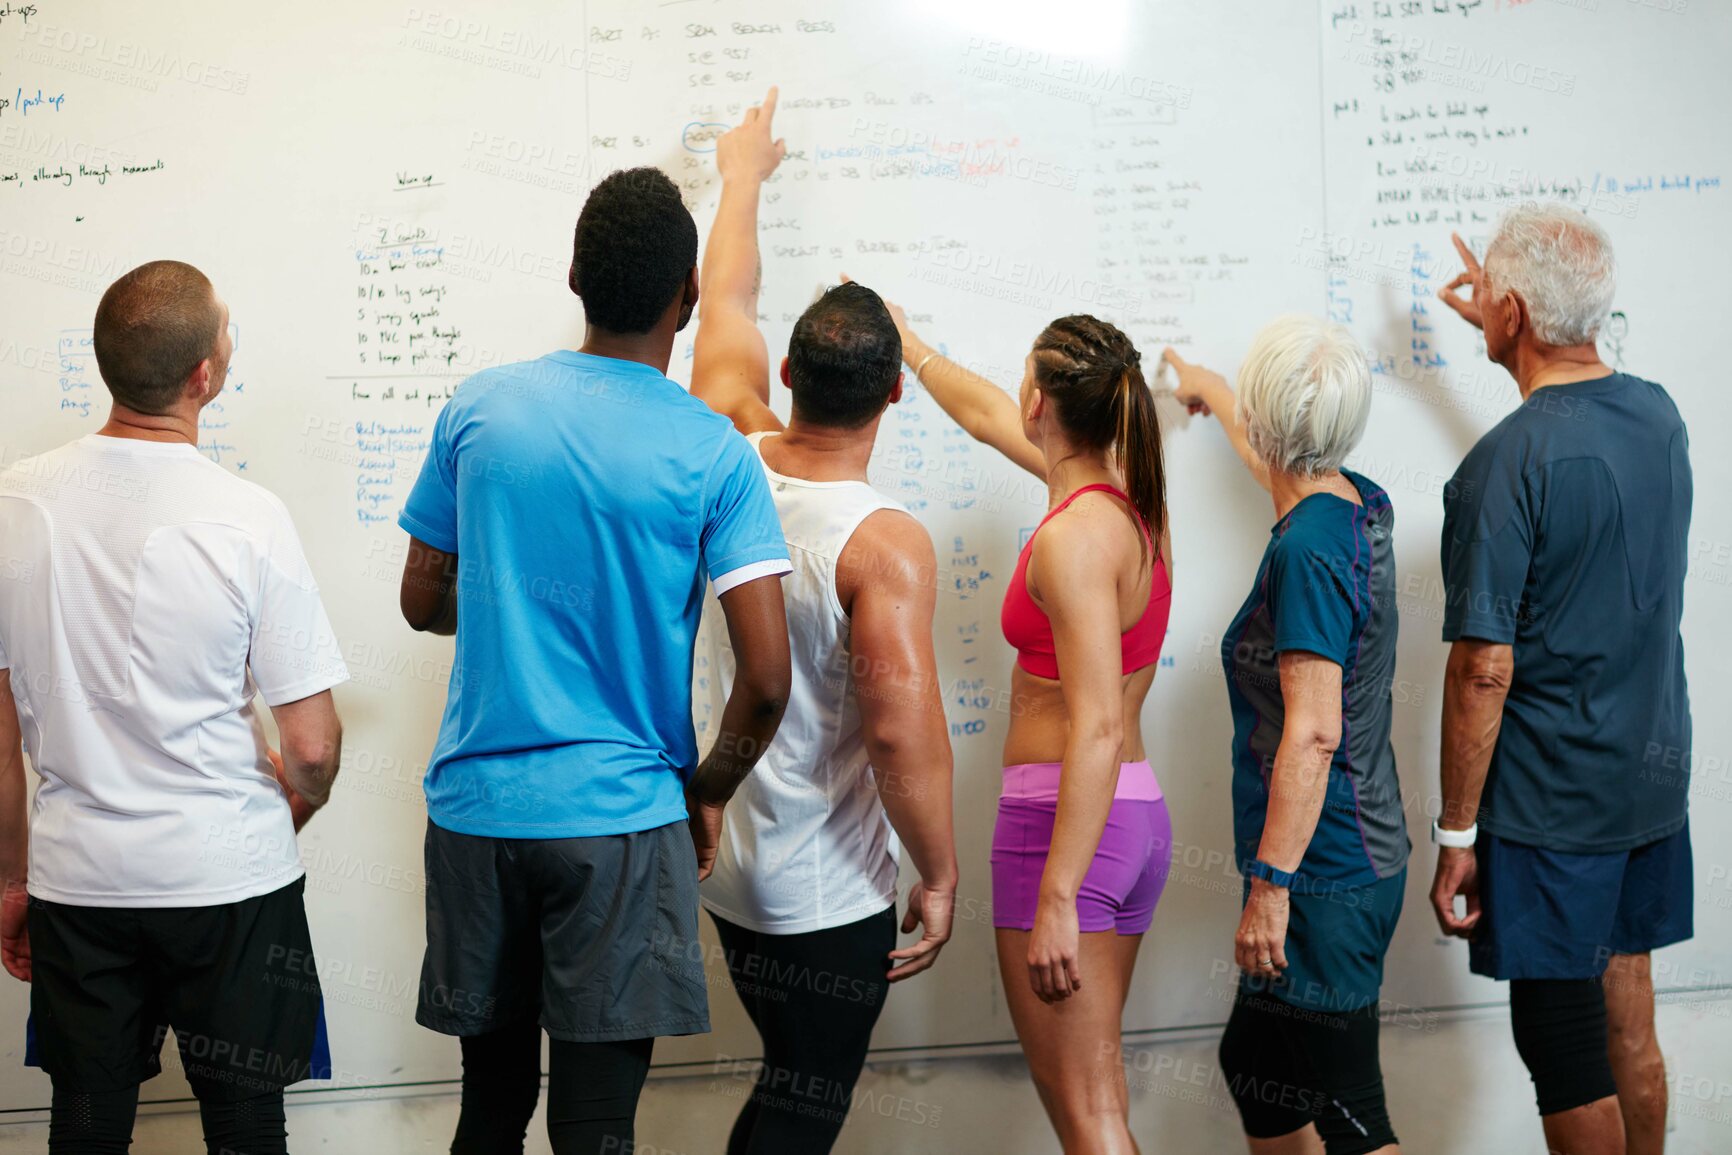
x,y
806,843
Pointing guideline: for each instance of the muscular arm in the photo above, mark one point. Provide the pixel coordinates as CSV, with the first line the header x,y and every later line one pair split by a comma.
x,y
986,413
730,361
428,595
14,837
312,747
888,583
758,631
1476,682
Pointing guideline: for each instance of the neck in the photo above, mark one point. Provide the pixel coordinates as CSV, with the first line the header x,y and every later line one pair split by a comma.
x,y
654,348
824,452
1070,469
1289,489
1534,366
180,425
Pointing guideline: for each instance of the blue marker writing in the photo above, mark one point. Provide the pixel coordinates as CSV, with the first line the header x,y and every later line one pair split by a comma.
x,y
26,103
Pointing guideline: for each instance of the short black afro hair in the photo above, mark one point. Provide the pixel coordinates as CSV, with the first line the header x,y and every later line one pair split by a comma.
x,y
634,246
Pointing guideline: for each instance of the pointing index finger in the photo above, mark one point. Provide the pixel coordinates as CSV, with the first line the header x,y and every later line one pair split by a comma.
x,y
1467,257
769,105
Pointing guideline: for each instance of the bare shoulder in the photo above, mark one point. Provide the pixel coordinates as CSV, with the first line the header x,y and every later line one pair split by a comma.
x,y
889,553
1094,529
894,531
893,545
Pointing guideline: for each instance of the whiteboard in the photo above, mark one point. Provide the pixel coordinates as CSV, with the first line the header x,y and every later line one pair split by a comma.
x,y
385,193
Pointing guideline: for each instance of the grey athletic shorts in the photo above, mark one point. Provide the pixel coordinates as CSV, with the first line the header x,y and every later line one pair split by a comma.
x,y
596,938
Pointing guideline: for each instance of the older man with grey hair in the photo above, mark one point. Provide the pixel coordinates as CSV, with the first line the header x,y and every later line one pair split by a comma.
x,y
1566,722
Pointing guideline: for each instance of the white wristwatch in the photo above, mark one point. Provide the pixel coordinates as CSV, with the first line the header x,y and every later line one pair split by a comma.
x,y
1455,839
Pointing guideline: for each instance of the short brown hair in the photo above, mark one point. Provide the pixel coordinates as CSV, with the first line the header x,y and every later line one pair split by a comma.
x,y
153,327
844,358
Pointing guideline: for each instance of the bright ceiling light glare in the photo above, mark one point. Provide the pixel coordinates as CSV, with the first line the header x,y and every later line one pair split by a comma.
x,y
1089,29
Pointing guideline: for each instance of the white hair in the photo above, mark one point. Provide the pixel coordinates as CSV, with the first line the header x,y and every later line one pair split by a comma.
x,y
1561,264
1304,395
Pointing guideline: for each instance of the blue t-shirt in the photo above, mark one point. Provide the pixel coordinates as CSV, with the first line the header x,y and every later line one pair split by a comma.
x,y
1326,586
585,497
1565,535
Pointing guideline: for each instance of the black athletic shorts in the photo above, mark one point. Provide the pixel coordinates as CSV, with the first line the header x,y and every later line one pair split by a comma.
x,y
1287,1066
237,983
596,938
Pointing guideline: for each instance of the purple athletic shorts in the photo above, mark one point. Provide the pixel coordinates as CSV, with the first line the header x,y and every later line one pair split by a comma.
x,y
1130,866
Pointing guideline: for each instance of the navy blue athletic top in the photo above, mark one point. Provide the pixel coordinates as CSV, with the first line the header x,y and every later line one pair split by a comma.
x,y
1326,586
1565,534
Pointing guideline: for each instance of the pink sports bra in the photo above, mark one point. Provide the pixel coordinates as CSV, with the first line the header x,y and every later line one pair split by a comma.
x,y
1027,627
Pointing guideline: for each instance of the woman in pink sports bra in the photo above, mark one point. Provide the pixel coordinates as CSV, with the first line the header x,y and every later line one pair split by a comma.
x,y
1083,840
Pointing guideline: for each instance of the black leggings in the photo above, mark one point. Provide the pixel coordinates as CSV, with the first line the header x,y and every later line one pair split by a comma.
x,y
814,998
100,1123
592,1093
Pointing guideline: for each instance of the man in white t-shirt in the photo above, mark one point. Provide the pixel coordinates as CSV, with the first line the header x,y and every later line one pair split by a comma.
x,y
146,597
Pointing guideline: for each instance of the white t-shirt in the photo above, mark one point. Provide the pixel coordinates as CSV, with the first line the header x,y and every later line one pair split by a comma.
x,y
146,594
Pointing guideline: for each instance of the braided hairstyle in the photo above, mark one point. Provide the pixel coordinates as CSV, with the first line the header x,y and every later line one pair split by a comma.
x,y
1094,377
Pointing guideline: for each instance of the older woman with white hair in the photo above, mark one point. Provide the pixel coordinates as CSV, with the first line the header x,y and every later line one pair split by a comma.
x,y
1317,820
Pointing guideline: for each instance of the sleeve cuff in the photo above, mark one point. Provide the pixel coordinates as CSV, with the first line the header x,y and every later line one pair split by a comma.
x,y
410,524
1498,633
305,688
1311,645
774,567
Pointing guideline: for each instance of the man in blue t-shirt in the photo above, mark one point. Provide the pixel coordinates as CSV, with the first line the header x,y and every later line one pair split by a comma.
x,y
563,526
1566,721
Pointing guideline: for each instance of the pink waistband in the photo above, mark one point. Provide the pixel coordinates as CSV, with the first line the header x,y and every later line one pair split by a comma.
x,y
1038,782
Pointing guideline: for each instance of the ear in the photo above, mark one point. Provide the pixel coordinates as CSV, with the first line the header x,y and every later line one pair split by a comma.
x,y
687,306
896,389
199,387
1036,404
783,373
1515,314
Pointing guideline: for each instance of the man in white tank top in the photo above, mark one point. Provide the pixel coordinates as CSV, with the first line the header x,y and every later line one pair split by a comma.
x,y
804,888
